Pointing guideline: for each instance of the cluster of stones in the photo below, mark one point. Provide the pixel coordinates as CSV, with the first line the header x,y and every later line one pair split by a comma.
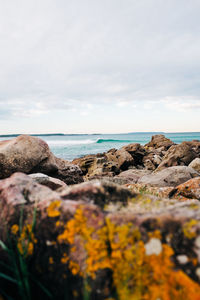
x,y
138,239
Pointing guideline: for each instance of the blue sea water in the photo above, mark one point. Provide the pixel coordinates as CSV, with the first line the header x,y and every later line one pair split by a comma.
x,y
73,146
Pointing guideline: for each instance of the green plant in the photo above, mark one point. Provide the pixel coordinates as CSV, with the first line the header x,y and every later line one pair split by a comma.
x,y
16,272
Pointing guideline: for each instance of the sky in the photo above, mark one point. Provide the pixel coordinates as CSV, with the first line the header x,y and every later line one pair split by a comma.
x,y
106,66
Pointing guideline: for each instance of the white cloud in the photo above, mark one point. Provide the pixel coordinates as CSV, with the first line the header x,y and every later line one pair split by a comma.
x,y
181,103
66,55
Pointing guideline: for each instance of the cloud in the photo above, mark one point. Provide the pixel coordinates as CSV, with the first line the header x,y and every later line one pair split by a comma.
x,y
181,103
64,55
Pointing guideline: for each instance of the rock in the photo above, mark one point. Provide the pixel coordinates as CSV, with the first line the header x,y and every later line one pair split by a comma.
x,y
146,189
20,189
96,192
180,155
187,190
97,166
86,162
172,176
137,152
159,141
152,160
150,248
121,157
29,154
52,183
195,164
130,176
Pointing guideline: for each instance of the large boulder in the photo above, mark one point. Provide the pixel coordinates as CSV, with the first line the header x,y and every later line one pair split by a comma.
x,y
172,176
195,164
180,155
97,192
187,190
159,141
148,250
29,154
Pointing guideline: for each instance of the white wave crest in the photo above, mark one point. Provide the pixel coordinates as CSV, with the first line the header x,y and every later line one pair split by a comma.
x,y
70,142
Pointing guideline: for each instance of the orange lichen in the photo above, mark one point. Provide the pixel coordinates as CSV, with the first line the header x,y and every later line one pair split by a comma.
x,y
95,259
137,274
149,277
74,267
26,241
52,209
15,229
64,259
51,261
188,229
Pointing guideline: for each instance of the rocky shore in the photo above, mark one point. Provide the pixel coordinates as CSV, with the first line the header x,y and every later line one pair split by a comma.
x,y
123,225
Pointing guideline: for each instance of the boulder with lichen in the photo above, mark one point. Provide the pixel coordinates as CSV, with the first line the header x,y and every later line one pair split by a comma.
x,y
147,249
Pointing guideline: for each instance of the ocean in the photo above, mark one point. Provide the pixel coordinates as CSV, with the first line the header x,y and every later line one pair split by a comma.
x,y
77,145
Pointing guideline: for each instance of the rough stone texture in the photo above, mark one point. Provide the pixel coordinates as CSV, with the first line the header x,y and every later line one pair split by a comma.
x,y
152,160
52,183
97,166
181,154
97,192
137,151
195,164
147,250
130,176
188,190
159,141
29,154
146,189
86,162
20,189
169,177
121,157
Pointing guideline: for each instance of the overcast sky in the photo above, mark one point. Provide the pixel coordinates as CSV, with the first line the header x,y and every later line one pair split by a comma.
x,y
78,66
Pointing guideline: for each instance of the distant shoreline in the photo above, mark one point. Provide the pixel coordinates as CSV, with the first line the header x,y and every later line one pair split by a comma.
x,y
85,134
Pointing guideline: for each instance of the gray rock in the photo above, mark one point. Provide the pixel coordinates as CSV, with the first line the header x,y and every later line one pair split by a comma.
x,y
172,176
52,183
195,164
130,176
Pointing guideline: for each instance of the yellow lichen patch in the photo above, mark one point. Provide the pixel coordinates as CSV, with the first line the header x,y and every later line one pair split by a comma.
x,y
75,293
26,241
188,229
15,229
155,234
64,259
52,209
51,261
96,247
149,277
138,274
74,267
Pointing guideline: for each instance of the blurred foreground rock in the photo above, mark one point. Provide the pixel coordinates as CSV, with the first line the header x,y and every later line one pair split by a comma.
x,y
147,249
